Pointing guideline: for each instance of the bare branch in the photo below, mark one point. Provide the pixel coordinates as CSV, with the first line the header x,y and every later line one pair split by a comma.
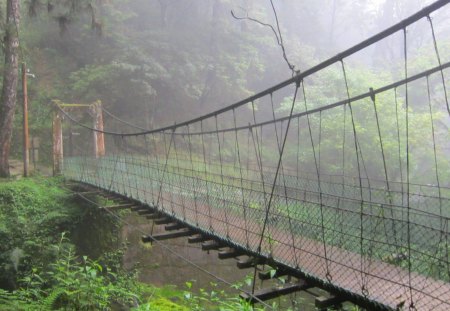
x,y
291,67
276,32
258,22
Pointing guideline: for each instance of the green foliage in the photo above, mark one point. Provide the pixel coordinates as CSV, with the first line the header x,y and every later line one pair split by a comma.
x,y
216,299
161,304
32,214
335,126
43,272
73,283
39,267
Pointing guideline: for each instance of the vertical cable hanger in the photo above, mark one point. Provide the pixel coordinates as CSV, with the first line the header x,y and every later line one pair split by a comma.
x,y
227,224
267,210
405,53
386,177
399,145
147,169
436,49
357,153
206,179
180,187
436,170
344,134
160,198
241,181
193,178
438,57
155,168
258,161
328,274
286,201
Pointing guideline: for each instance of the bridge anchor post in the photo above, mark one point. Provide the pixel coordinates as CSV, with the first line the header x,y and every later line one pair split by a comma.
x,y
57,143
99,137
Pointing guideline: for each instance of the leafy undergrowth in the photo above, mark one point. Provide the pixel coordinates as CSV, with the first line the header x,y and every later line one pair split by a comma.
x,y
41,270
33,214
72,283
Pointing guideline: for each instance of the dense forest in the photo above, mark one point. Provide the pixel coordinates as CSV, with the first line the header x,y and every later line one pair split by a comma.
x,y
159,62
156,63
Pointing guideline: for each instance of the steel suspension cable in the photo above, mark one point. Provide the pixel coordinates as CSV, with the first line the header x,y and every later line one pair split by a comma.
x,y
436,49
227,224
436,170
288,208
438,57
241,180
298,115
316,165
383,156
206,181
357,153
196,195
426,11
405,54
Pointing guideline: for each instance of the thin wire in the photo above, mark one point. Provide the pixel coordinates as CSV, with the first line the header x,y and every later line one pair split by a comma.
x,y
288,209
260,167
405,54
439,62
241,180
278,169
356,146
223,182
193,180
123,121
164,169
436,49
385,172
319,185
179,179
436,170
399,140
206,180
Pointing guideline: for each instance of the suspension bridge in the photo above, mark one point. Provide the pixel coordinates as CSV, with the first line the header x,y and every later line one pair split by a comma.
x,y
345,188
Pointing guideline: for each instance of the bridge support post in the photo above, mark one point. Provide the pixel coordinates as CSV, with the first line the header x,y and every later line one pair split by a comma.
x,y
99,138
57,143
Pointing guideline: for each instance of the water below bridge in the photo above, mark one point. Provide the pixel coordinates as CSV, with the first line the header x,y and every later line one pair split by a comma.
x,y
160,267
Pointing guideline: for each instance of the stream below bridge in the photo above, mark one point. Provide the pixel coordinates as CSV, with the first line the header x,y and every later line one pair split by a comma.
x,y
160,267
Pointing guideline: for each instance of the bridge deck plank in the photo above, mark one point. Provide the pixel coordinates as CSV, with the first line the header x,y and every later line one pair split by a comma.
x,y
385,283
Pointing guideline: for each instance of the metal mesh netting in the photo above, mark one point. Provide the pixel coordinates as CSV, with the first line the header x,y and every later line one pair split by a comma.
x,y
349,186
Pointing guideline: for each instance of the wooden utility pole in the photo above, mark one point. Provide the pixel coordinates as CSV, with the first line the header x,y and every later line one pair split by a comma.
x,y
57,143
99,137
26,141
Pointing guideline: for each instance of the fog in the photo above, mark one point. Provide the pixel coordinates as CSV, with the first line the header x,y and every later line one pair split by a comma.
x,y
159,62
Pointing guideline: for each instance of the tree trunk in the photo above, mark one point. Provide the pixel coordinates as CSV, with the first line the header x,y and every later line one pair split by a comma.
x,y
10,79
163,4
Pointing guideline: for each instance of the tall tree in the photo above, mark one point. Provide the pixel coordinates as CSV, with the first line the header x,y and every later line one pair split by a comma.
x,y
10,78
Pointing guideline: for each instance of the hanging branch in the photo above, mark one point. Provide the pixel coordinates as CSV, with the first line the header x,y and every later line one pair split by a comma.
x,y
276,32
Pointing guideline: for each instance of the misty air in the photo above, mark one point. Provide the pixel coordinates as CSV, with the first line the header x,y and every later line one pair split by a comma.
x,y
225,155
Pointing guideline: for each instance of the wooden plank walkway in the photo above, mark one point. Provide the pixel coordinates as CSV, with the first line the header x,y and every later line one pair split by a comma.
x,y
385,283
370,279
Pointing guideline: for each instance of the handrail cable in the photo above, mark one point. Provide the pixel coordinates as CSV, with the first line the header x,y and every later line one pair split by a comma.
x,y
425,12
